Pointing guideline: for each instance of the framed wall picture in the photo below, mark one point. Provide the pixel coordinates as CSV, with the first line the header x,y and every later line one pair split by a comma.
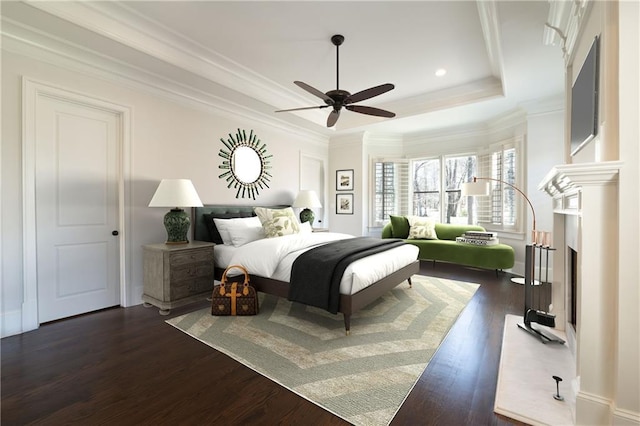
x,y
344,180
344,203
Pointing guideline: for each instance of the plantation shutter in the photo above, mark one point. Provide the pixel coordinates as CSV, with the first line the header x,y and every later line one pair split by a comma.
x,y
484,204
391,189
500,207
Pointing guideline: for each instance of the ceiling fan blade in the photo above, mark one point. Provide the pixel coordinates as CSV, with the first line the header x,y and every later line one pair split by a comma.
x,y
370,111
333,118
300,109
369,93
314,91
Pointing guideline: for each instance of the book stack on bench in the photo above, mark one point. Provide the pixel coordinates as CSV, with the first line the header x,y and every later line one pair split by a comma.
x,y
479,238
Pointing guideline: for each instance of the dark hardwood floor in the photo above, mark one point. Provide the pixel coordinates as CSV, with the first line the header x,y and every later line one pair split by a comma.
x,y
127,367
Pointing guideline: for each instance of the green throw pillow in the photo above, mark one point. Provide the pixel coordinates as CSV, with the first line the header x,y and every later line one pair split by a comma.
x,y
277,222
399,226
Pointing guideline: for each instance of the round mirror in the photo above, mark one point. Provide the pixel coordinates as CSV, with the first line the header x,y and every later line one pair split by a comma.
x,y
245,164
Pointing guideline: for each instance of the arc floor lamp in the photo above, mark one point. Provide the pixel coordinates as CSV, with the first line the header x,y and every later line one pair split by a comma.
x,y
476,188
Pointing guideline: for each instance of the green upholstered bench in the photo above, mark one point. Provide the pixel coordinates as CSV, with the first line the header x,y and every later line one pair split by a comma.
x,y
446,249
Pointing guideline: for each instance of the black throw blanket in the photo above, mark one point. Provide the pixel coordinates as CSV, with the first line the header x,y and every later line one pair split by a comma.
x,y
316,273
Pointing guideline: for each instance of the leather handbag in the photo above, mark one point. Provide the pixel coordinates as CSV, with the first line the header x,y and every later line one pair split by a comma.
x,y
234,298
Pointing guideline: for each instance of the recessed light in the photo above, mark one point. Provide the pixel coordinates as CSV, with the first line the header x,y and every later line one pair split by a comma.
x,y
440,72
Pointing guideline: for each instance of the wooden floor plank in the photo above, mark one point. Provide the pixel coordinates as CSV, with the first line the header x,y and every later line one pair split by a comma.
x,y
127,367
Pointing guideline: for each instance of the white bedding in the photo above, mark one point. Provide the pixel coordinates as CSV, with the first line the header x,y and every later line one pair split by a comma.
x,y
273,258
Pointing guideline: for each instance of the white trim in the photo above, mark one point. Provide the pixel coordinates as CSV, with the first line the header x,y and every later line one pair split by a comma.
x,y
323,161
122,24
490,23
31,90
32,43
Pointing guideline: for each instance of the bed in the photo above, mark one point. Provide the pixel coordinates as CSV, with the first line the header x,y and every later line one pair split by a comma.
x,y
351,300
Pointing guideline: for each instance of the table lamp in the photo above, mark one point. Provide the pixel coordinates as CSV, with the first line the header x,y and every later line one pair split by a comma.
x,y
176,193
305,200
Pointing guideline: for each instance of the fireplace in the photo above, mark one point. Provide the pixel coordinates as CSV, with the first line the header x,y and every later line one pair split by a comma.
x,y
572,267
585,229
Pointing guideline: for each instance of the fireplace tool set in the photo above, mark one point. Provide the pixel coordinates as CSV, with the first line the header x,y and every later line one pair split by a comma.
x,y
534,314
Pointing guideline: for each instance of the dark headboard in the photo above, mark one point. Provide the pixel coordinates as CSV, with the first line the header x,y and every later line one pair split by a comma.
x,y
201,230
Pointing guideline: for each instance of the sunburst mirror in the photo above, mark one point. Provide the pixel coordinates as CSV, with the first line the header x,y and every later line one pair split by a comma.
x,y
246,161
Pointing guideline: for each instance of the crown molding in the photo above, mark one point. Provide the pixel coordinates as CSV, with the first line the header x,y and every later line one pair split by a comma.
x,y
564,24
349,140
544,106
490,23
118,22
475,91
383,139
32,43
449,134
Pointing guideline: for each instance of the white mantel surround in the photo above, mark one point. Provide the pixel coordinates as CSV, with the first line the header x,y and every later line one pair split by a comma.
x,y
586,217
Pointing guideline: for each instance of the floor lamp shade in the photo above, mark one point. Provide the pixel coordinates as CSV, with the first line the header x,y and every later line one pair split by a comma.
x,y
474,189
305,200
176,193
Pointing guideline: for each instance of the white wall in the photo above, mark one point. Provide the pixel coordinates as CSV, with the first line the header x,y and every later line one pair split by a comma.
x,y
169,139
545,149
346,152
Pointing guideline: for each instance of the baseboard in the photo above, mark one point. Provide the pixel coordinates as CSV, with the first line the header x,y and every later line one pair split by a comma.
x,y
593,409
622,417
11,323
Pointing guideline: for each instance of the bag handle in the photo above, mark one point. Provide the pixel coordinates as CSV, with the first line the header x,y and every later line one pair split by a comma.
x,y
245,285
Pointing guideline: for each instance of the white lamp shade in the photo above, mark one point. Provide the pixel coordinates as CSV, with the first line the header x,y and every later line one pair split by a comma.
x,y
307,199
175,193
475,188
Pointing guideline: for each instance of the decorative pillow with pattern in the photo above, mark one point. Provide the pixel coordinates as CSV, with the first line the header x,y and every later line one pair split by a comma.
x,y
422,228
278,222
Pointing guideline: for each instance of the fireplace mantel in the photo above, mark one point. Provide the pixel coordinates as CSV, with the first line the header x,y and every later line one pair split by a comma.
x,y
566,179
589,193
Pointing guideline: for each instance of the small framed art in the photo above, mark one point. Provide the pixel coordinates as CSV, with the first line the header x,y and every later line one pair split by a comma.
x,y
344,203
344,180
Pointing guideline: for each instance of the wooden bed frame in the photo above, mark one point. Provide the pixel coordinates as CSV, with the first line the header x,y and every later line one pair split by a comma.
x,y
348,303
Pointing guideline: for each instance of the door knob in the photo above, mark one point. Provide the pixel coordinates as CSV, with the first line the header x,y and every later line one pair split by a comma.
x,y
114,233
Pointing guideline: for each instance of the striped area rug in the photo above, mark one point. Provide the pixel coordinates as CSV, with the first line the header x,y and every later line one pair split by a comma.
x,y
363,378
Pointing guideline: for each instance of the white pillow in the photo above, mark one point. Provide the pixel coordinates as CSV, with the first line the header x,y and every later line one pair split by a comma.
x,y
242,236
278,222
229,227
422,228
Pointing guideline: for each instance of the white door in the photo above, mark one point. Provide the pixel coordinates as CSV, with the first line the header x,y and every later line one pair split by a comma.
x,y
76,193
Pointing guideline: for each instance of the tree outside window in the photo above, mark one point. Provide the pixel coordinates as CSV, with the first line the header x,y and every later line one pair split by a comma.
x,y
437,183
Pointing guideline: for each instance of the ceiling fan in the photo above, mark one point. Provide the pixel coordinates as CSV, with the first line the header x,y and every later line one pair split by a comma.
x,y
341,98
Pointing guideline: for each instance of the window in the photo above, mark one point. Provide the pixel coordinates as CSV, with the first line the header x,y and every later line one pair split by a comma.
x,y
426,188
390,189
500,209
436,187
432,187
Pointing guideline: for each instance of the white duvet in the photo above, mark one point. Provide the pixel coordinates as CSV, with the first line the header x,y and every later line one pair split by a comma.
x,y
273,258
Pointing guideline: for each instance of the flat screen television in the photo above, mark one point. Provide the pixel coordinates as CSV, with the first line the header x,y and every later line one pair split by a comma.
x,y
584,101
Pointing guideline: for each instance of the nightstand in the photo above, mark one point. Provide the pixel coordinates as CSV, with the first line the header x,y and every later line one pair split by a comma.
x,y
177,274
